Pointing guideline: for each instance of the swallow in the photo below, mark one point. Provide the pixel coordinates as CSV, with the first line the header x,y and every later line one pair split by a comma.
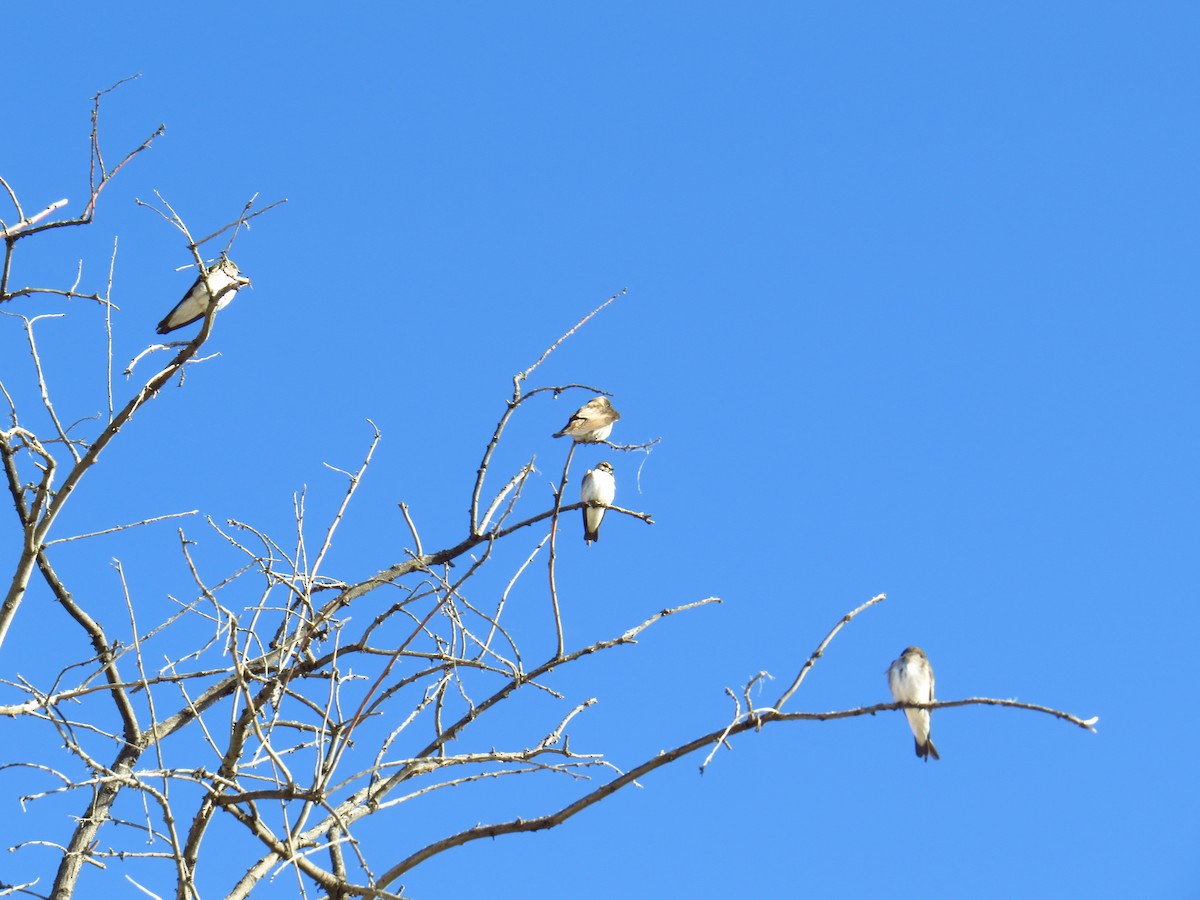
x,y
599,487
911,681
225,281
592,422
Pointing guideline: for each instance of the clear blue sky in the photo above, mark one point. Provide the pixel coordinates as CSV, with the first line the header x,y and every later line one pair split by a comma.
x,y
912,305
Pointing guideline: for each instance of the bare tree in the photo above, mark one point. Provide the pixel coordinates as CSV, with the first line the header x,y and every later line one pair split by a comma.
x,y
296,704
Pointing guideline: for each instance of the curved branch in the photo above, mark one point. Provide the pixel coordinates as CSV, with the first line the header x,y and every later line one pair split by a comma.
x,y
752,721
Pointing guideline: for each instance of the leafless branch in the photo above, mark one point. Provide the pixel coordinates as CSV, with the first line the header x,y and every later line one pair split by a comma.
x,y
819,652
125,527
316,699
666,758
517,379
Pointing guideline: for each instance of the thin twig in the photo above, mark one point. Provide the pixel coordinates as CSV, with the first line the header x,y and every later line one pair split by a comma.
x,y
558,495
816,654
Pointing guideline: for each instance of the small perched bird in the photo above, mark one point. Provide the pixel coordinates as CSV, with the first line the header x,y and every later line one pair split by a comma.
x,y
599,486
591,422
911,681
225,281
